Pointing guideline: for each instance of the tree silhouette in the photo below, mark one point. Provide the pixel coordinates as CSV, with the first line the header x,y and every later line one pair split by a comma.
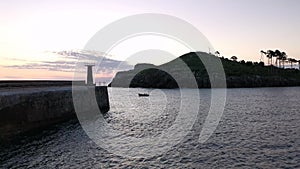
x,y
242,62
278,56
270,54
291,60
284,58
294,61
263,53
234,58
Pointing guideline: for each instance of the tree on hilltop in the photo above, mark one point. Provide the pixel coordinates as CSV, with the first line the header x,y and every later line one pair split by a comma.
x,y
234,58
217,53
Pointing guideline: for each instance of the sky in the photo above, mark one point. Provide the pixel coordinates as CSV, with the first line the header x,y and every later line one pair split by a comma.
x,y
33,34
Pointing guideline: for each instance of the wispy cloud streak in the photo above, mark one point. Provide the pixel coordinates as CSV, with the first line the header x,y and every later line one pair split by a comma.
x,y
71,61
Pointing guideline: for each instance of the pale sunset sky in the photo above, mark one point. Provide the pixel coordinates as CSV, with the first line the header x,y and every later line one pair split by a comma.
x,y
32,33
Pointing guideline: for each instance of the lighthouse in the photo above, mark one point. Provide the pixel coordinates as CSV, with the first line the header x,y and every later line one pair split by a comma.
x,y
89,78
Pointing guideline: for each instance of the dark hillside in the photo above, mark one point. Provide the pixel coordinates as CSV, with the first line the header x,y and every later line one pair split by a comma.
x,y
238,74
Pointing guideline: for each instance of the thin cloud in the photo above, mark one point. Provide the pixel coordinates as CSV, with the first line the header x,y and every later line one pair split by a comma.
x,y
74,61
12,77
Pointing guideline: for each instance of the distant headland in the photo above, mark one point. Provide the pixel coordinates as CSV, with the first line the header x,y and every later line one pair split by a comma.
x,y
238,74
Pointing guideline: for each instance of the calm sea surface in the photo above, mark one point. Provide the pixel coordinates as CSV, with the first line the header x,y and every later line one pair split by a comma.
x,y
260,128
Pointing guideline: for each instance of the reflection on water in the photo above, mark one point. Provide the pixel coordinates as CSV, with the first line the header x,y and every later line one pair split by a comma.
x,y
259,128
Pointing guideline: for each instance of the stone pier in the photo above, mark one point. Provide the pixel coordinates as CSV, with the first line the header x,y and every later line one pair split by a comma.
x,y
30,107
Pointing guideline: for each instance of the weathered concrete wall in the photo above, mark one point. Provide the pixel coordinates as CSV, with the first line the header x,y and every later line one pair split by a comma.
x,y
29,108
36,83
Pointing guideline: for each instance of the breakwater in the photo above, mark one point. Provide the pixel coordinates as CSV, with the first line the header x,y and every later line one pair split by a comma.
x,y
34,106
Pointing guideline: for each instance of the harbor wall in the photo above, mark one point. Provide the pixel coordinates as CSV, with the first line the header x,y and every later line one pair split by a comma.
x,y
23,109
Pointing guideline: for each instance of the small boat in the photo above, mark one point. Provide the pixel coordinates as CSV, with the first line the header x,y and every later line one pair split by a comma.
x,y
143,95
